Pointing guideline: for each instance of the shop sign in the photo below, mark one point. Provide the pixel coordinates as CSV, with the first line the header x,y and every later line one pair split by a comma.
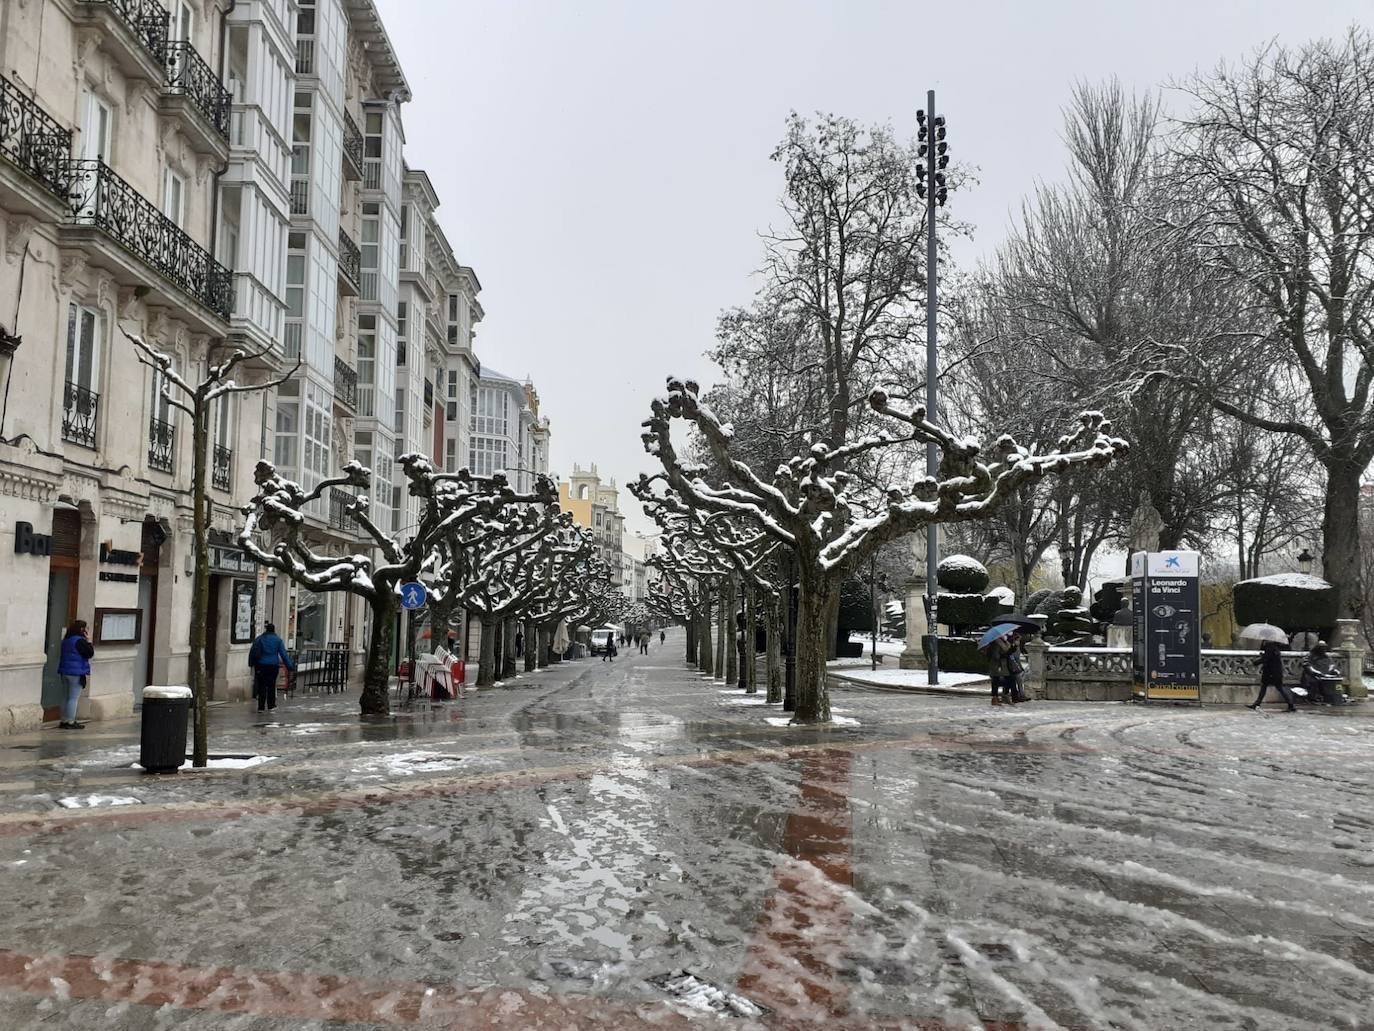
x,y
110,555
26,542
230,560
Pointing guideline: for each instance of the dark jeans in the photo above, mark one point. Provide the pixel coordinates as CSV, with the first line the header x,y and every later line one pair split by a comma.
x,y
1287,694
265,686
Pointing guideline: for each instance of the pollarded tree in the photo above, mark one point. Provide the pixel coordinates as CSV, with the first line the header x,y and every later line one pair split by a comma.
x,y
806,508
495,578
199,401
449,502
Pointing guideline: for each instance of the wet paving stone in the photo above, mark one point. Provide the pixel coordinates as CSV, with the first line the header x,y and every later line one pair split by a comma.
x,y
630,846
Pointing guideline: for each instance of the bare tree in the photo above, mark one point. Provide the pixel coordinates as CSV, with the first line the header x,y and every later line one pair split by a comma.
x,y
449,501
805,506
1277,160
198,401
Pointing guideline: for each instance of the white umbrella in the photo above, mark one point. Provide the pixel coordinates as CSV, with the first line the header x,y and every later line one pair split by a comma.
x,y
1263,632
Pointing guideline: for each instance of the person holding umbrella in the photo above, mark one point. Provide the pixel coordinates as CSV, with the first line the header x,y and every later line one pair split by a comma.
x,y
1272,640
999,644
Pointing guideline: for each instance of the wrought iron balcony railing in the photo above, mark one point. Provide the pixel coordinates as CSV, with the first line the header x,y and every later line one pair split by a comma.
x,y
161,443
353,144
339,500
80,408
350,260
102,199
189,76
221,467
146,19
33,140
345,384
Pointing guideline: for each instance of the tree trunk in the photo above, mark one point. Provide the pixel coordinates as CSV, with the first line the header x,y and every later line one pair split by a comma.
x,y
813,626
531,643
375,699
730,607
200,589
508,648
747,671
486,667
691,641
720,635
773,665
832,627
1341,532
704,663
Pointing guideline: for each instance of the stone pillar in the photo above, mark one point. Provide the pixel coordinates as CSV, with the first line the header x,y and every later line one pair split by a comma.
x,y
1036,659
1348,643
916,627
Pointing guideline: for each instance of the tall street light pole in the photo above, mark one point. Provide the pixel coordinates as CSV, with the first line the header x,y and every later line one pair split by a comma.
x,y
931,185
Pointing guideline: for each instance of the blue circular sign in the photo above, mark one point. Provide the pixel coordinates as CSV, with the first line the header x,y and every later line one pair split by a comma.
x,y
413,595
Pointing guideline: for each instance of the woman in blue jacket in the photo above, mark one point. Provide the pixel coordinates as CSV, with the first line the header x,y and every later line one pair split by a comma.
x,y
74,666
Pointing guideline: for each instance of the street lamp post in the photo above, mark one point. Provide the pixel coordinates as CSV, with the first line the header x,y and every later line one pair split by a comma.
x,y
931,186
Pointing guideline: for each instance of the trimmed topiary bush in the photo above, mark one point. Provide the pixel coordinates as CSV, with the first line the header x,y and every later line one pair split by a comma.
x,y
958,654
1292,601
1107,600
1036,599
962,612
960,574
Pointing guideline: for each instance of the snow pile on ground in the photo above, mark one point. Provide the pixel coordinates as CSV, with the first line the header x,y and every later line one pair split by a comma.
x,y
835,721
96,801
236,762
703,997
1302,581
407,764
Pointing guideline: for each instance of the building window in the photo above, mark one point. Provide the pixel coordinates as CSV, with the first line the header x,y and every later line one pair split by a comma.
x,y
81,397
491,411
371,235
372,151
398,423
288,429
96,130
367,357
402,320
450,455
174,197
486,455
405,236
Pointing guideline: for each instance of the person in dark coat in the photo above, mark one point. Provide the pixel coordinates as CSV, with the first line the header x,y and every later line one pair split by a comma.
x,y
1320,676
268,652
662,636
1271,675
74,666
519,644
999,670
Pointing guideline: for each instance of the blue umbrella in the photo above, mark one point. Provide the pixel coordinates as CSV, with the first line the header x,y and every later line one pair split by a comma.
x,y
996,633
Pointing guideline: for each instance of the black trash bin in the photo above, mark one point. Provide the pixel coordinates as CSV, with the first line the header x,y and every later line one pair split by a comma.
x,y
162,744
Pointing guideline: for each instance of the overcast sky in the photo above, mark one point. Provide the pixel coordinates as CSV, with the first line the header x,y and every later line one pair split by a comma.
x,y
604,165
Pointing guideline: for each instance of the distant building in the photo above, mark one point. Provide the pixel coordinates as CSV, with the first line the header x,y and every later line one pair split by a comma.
x,y
506,430
637,549
596,506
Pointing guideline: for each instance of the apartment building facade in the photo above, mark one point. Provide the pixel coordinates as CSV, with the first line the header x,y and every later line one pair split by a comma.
x,y
121,132
206,176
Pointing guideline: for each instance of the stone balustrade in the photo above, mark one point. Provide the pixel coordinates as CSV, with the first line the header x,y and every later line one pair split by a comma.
x,y
1228,676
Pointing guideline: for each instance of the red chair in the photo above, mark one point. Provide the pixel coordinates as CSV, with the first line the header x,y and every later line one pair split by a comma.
x,y
458,673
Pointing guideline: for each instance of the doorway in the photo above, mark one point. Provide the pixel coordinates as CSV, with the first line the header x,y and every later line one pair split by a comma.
x,y
212,634
61,613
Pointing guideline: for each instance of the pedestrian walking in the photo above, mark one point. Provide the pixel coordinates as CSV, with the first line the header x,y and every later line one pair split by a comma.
x,y
662,636
268,652
643,644
999,670
1016,664
1271,675
610,648
519,644
74,666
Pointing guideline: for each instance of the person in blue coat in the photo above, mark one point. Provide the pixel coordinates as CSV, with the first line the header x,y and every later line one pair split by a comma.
x,y
74,666
266,655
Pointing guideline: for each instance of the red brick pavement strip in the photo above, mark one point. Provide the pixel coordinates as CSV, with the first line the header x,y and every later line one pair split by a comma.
x,y
316,803
376,1003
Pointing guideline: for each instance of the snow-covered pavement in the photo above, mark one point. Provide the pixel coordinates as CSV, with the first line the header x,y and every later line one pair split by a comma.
x,y
630,845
